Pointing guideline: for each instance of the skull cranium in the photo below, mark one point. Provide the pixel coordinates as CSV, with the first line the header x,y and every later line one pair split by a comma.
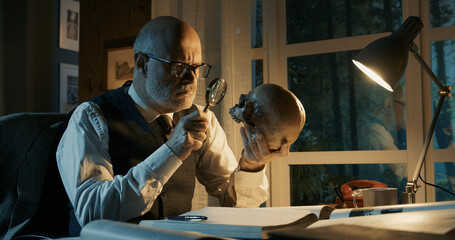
x,y
273,111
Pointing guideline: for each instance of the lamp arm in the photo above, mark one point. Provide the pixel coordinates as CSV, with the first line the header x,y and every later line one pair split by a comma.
x,y
426,144
413,50
411,186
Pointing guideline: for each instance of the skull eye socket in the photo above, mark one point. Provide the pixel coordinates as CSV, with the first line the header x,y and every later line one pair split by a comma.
x,y
242,100
248,113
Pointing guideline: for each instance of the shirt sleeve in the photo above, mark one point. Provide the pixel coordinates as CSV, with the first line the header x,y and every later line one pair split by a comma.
x,y
217,172
87,172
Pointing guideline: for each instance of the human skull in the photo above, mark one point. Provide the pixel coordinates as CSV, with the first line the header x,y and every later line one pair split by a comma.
x,y
273,111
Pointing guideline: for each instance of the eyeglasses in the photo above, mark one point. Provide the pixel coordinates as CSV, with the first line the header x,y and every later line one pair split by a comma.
x,y
179,69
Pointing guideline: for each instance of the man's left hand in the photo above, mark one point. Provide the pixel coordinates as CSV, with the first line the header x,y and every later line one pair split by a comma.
x,y
256,153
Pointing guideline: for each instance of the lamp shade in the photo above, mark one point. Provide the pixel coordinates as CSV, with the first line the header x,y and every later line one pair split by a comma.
x,y
385,60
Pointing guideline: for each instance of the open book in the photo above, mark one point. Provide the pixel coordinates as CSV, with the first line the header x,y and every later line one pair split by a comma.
x,y
428,224
245,223
430,221
436,220
352,232
115,230
399,208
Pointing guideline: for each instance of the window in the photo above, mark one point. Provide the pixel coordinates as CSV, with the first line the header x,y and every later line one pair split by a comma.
x,y
314,20
257,73
443,60
442,46
311,185
256,24
358,129
346,111
441,13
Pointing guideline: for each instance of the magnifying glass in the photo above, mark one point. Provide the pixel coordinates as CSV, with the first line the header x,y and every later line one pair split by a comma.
x,y
215,92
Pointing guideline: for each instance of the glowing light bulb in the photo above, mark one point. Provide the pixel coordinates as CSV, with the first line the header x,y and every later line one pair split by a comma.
x,y
372,75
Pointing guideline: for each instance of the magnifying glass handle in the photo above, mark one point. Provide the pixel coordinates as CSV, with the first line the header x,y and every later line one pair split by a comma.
x,y
206,107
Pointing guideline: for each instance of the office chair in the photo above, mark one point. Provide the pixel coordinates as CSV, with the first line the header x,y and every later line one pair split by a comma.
x,y
33,201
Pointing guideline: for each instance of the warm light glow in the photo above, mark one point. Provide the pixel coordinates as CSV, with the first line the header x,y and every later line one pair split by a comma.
x,y
372,75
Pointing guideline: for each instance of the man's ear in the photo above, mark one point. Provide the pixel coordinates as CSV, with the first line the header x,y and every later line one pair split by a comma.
x,y
140,61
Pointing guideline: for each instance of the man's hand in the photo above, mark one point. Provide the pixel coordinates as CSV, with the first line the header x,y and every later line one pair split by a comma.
x,y
189,134
256,153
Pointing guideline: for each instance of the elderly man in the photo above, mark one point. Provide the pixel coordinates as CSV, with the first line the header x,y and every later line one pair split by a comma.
x,y
122,158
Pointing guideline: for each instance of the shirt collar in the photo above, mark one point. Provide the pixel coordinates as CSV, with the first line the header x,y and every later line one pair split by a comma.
x,y
146,111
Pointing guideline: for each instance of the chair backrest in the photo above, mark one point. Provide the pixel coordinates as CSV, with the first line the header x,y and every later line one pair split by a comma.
x,y
32,197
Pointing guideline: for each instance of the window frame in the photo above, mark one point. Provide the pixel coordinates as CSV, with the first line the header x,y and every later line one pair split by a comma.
x,y
418,117
430,35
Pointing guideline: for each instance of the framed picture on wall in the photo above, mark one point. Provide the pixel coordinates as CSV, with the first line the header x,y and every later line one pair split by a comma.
x,y
69,25
69,82
120,66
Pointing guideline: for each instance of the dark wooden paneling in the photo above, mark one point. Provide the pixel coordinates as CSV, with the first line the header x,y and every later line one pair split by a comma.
x,y
105,23
26,56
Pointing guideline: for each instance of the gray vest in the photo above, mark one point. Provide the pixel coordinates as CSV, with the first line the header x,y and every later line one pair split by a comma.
x,y
132,139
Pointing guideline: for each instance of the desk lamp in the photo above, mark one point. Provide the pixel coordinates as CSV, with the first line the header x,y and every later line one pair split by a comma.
x,y
384,60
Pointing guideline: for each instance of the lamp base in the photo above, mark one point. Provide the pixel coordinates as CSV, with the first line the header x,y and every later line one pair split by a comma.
x,y
408,198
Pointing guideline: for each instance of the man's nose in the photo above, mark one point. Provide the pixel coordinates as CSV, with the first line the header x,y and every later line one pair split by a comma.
x,y
189,76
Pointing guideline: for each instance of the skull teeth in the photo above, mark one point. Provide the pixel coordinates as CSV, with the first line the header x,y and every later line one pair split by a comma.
x,y
233,116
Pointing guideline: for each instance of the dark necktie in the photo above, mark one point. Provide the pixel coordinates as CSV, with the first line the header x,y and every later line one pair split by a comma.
x,y
166,124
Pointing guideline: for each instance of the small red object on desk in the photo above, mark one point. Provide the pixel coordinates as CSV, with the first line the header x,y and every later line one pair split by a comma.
x,y
348,189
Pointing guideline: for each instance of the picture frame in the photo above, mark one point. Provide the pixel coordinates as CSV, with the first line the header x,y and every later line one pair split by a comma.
x,y
69,25
120,66
69,85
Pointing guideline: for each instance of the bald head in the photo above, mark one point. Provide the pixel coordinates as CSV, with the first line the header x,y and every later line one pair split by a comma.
x,y
173,40
163,35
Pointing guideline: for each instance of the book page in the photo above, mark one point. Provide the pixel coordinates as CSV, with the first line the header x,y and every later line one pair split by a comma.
x,y
115,230
378,210
249,223
220,230
433,221
352,232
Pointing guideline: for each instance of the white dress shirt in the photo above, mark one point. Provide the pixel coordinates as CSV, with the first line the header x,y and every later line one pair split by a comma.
x,y
87,172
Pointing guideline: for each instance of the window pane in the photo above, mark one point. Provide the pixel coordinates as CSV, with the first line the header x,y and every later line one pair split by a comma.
x,y
443,62
256,24
442,13
444,173
345,110
311,184
313,20
257,73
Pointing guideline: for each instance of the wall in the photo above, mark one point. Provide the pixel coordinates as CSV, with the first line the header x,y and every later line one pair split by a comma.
x,y
30,53
30,56
14,34
105,24
2,50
